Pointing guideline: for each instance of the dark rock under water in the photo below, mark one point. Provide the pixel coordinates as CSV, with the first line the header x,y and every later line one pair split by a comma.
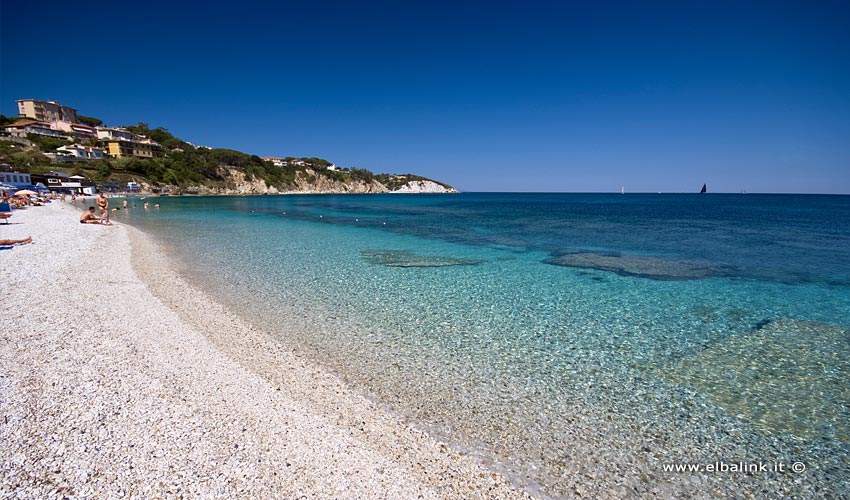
x,y
785,376
407,258
640,266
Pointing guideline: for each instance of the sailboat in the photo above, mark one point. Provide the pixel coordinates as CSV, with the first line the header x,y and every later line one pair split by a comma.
x,y
702,191
623,190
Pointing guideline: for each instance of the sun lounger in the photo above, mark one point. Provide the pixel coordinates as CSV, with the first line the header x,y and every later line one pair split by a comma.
x,y
5,211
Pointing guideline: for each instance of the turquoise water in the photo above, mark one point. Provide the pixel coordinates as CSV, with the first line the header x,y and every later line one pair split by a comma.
x,y
567,339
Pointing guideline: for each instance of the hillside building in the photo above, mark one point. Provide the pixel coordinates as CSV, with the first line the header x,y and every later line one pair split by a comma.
x,y
121,143
277,162
46,111
120,148
26,126
81,132
81,152
115,133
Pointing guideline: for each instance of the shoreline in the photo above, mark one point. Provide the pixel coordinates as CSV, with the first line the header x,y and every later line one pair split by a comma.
x,y
151,388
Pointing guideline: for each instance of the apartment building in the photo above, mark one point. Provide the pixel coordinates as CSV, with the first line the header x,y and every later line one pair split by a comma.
x,y
122,148
46,111
121,143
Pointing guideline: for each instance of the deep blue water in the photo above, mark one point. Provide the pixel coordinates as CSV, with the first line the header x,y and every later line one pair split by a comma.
x,y
511,324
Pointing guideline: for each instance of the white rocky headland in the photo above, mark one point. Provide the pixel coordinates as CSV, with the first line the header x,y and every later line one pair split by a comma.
x,y
424,187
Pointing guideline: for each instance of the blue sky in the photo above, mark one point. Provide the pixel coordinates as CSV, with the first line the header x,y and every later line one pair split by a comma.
x,y
487,96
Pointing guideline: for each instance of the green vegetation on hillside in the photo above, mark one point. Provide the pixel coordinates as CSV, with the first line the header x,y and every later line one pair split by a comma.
x,y
184,165
47,144
394,182
23,158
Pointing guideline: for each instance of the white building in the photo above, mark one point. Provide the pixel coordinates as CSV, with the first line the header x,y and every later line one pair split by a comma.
x,y
83,152
118,134
277,162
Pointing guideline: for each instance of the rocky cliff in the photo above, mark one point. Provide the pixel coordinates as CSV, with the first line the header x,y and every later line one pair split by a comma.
x,y
236,181
424,186
311,181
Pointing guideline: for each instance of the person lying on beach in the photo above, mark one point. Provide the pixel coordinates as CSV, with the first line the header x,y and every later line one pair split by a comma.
x,y
89,217
6,243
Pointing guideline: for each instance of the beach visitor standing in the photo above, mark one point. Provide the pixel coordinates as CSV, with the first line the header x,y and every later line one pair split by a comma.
x,y
103,203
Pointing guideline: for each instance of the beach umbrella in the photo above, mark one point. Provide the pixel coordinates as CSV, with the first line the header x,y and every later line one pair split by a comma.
x,y
25,192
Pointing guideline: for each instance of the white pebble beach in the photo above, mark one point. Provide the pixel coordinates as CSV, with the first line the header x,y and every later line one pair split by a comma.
x,y
120,380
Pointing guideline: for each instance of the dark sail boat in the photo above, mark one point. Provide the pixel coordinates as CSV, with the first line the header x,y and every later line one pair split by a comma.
x,y
701,191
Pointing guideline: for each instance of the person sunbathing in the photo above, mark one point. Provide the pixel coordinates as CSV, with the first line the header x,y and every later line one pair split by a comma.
x,y
89,217
5,243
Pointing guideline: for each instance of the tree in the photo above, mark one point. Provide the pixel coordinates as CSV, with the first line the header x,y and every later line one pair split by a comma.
x,y
89,120
318,162
170,177
361,174
103,170
6,120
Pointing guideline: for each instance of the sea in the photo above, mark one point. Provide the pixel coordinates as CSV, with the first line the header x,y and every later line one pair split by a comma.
x,y
623,343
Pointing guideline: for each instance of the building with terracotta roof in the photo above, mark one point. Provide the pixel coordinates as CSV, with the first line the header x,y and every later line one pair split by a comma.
x,y
26,126
277,162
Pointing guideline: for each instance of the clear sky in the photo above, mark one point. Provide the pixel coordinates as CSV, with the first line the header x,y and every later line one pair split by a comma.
x,y
487,96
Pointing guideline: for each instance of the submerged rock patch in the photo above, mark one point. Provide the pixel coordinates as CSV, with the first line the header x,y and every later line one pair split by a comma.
x,y
641,266
407,258
787,376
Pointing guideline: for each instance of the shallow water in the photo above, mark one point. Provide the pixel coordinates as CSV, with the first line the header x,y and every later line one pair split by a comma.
x,y
571,340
